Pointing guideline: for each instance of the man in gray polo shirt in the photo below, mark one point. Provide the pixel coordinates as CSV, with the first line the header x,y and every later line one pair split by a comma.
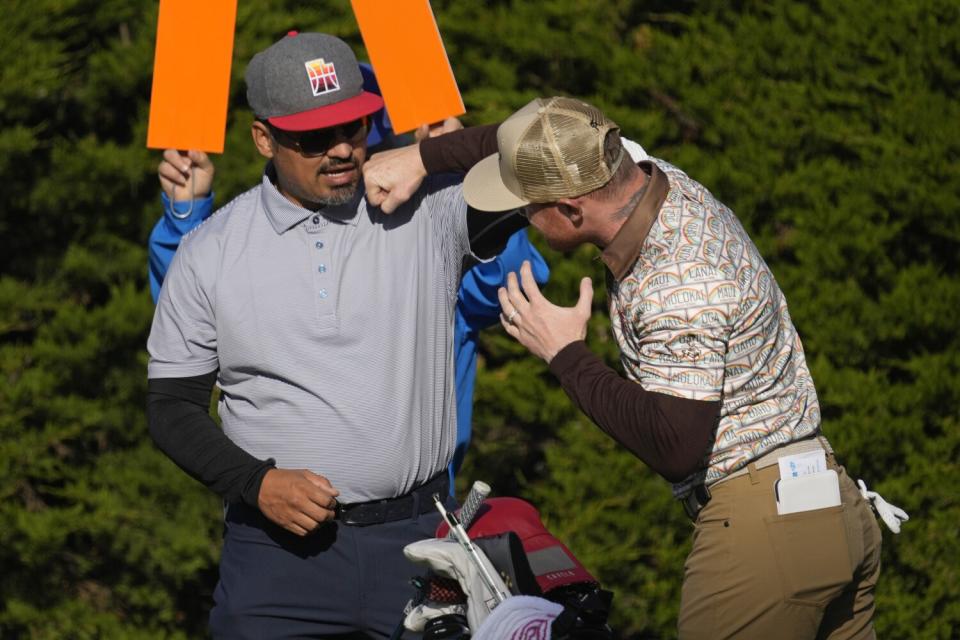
x,y
328,326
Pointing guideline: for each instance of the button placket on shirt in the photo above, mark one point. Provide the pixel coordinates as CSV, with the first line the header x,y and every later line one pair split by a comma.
x,y
321,259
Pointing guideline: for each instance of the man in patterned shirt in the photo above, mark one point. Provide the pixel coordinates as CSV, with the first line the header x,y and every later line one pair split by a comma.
x,y
717,396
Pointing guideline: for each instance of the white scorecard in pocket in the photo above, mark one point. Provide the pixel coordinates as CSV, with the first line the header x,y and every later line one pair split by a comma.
x,y
809,492
803,464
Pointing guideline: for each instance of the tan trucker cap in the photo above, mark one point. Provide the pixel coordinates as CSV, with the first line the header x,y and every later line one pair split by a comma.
x,y
550,149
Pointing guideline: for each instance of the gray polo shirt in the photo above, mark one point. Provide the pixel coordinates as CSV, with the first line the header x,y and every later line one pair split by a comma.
x,y
332,331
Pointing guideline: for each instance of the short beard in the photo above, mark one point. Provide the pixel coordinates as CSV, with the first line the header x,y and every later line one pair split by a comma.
x,y
340,195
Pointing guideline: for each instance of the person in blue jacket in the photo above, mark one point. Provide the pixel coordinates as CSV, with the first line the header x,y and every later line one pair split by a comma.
x,y
186,179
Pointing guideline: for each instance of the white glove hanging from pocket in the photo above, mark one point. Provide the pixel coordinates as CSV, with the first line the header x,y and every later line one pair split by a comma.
x,y
891,515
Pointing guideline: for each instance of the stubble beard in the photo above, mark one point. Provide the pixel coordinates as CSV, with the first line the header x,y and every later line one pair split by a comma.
x,y
340,195
344,193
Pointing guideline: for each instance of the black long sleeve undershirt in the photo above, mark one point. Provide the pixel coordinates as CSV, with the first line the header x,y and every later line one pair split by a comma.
x,y
183,429
672,435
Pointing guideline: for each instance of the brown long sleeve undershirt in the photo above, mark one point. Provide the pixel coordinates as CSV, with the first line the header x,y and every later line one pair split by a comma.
x,y
458,151
672,435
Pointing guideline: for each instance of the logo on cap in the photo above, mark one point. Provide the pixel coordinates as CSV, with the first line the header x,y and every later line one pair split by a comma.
x,y
323,76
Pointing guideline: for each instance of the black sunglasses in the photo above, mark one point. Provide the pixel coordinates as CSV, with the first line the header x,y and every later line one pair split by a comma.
x,y
318,141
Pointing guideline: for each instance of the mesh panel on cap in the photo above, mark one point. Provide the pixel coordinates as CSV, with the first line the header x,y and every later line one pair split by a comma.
x,y
561,153
538,170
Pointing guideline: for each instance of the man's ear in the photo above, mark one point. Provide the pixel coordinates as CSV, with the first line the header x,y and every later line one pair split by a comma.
x,y
572,208
262,139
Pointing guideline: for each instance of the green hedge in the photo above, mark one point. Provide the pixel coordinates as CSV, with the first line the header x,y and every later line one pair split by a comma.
x,y
832,128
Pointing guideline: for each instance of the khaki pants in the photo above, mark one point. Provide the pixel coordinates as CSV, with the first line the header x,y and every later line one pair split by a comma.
x,y
755,574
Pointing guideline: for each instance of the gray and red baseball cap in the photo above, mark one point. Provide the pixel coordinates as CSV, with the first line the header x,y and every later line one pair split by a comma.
x,y
308,81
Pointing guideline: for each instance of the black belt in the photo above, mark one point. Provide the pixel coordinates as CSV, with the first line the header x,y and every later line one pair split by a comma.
x,y
417,502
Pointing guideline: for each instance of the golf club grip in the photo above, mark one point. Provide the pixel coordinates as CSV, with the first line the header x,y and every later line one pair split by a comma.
x,y
478,493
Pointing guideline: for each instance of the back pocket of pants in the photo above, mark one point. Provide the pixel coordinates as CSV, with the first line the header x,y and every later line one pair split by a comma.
x,y
812,554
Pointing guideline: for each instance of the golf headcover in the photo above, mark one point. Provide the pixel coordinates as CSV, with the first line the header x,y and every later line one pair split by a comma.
x,y
521,617
552,563
447,558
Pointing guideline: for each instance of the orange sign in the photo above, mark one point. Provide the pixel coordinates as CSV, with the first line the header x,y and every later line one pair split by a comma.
x,y
411,64
191,74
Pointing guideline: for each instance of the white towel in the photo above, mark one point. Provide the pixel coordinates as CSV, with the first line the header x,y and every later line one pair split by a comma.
x,y
520,618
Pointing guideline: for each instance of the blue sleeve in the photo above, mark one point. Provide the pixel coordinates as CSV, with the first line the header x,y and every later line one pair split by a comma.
x,y
477,301
479,307
166,234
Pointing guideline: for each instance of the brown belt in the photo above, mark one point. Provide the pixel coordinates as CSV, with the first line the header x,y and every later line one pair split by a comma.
x,y
699,496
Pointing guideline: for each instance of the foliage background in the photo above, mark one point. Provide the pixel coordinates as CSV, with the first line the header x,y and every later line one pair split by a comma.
x,y
831,127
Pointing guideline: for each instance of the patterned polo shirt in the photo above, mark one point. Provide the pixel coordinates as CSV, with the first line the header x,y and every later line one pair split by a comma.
x,y
332,332
697,314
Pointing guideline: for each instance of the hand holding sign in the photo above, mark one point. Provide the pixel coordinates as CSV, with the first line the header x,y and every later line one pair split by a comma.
x,y
185,174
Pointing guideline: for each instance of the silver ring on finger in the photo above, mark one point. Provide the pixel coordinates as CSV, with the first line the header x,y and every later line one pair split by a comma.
x,y
513,314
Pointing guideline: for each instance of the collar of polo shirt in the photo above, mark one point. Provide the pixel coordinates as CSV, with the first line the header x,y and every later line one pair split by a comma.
x,y
285,215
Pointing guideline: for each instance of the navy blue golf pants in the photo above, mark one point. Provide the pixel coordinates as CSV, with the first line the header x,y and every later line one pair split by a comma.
x,y
339,582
